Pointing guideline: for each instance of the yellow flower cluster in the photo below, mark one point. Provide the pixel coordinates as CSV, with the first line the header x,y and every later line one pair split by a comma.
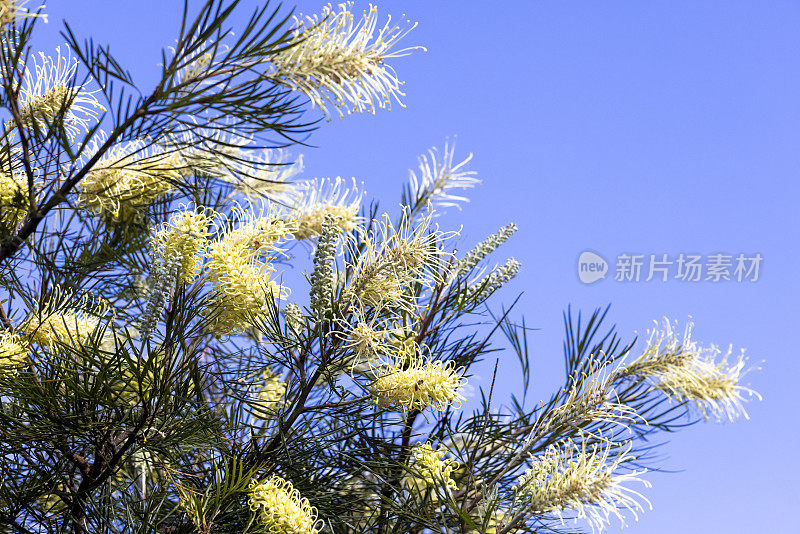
x,y
394,259
712,385
366,340
315,199
271,394
13,201
185,235
335,61
127,180
13,351
62,322
256,236
68,327
581,480
417,383
12,10
242,280
48,95
280,509
686,371
429,469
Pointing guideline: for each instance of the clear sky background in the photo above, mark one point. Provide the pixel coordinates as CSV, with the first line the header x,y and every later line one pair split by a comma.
x,y
660,127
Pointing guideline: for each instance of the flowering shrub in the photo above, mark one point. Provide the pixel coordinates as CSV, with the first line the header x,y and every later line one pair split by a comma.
x,y
159,374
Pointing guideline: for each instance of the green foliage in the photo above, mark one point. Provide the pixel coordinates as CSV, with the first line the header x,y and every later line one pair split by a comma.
x,y
136,396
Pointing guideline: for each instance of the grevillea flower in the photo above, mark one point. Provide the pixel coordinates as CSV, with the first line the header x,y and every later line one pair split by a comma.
x,y
393,259
438,176
590,397
686,371
13,201
239,267
48,94
71,327
13,351
314,199
483,249
186,236
429,469
280,509
337,63
242,291
256,234
366,339
416,383
128,179
483,288
13,10
322,276
270,393
582,481
63,322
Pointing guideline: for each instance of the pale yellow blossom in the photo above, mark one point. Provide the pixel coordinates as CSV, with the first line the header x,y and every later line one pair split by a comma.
x,y
391,260
14,201
63,320
280,509
430,470
240,269
13,351
185,235
313,200
581,481
128,179
48,94
336,62
689,372
417,383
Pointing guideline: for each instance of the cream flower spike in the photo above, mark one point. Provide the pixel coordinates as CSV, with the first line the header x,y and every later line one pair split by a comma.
x,y
240,268
429,469
14,200
279,508
689,372
13,352
416,383
129,178
62,321
582,481
367,338
314,199
438,175
185,235
13,11
48,89
336,62
391,259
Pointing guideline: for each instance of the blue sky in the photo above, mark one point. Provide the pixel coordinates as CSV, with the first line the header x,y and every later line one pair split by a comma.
x,y
619,127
